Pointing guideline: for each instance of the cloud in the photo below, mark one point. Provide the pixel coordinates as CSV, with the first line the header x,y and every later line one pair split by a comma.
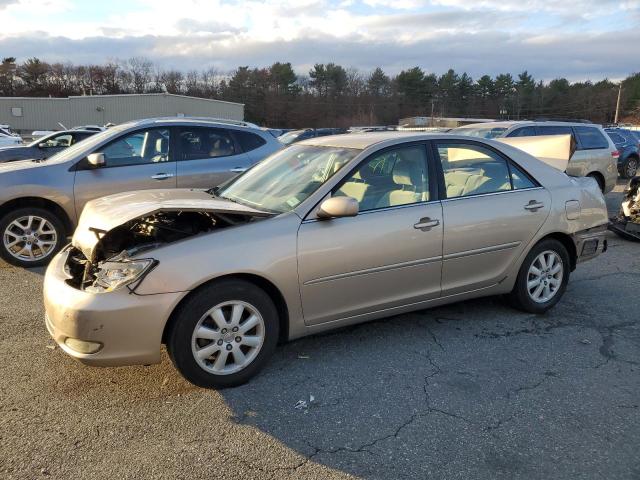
x,y
575,56
546,37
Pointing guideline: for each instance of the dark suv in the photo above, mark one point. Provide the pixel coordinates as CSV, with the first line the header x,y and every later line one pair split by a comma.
x,y
628,144
299,135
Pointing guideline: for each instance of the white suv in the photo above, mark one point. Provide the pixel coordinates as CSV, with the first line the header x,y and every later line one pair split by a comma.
x,y
596,155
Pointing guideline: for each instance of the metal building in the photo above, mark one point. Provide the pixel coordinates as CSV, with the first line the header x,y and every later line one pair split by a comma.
x,y
26,114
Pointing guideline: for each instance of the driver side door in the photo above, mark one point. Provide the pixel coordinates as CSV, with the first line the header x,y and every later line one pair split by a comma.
x,y
137,160
389,255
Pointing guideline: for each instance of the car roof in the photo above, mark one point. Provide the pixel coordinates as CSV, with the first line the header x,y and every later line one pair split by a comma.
x,y
513,123
195,121
364,140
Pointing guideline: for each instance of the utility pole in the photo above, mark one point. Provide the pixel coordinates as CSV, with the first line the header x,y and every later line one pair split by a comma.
x,y
615,120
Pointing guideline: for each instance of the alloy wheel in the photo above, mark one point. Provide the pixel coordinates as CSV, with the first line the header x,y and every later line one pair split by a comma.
x,y
631,168
30,238
228,337
545,276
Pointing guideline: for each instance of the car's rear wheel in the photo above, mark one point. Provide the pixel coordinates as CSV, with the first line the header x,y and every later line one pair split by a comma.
x,y
630,167
223,334
31,236
543,277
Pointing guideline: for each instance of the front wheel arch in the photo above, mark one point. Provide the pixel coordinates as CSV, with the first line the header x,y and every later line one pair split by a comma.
x,y
38,202
260,282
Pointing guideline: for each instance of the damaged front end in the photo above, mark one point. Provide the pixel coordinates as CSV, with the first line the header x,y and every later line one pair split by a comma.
x,y
627,223
110,264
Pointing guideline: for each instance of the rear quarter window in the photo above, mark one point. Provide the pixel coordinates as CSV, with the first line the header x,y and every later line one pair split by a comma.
x,y
617,139
590,138
249,141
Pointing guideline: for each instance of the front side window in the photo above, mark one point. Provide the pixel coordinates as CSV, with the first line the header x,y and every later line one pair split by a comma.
x,y
200,143
523,132
138,148
58,141
392,178
287,178
472,170
591,138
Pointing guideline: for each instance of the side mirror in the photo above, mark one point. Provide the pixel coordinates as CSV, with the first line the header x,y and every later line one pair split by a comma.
x,y
337,207
42,145
96,160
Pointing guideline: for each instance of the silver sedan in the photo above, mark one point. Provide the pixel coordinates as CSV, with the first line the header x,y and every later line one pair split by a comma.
x,y
326,233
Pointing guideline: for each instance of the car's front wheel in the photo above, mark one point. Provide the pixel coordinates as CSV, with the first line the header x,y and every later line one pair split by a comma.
x,y
543,277
30,236
223,334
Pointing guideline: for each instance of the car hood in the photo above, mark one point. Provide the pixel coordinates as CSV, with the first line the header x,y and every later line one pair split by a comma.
x,y
102,215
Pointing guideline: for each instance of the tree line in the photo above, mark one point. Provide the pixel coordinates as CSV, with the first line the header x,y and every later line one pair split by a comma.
x,y
332,95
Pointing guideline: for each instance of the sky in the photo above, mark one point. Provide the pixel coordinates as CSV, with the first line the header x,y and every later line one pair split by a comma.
x,y
575,39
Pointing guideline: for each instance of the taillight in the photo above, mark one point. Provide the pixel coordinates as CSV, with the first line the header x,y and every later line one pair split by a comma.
x,y
615,154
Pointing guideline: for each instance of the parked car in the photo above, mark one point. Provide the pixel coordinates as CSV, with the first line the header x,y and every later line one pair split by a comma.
x,y
44,147
299,135
325,233
40,201
596,155
8,138
628,145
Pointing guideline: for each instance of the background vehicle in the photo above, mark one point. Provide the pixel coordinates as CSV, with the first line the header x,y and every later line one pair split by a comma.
x,y
40,201
44,147
628,145
299,135
596,155
300,244
8,138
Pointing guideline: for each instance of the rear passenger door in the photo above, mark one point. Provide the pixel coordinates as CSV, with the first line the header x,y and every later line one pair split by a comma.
x,y
207,157
491,208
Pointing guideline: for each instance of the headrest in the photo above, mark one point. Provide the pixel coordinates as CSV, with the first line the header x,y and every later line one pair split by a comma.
x,y
407,173
162,145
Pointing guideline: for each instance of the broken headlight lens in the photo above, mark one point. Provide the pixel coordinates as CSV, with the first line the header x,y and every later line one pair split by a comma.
x,y
118,272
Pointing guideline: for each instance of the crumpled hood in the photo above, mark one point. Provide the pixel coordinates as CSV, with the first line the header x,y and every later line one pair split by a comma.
x,y
103,214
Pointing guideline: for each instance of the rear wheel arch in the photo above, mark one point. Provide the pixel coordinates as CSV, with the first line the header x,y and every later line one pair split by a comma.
x,y
38,202
599,178
267,286
567,242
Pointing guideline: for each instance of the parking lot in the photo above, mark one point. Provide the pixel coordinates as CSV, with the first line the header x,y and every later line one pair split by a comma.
x,y
472,390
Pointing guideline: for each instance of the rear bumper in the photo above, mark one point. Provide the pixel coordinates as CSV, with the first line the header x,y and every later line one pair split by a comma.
x,y
590,243
119,328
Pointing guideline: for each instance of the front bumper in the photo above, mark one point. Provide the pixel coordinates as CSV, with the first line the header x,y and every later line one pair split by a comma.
x,y
590,243
125,328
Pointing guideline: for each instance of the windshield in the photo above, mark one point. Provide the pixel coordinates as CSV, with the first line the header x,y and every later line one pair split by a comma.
x,y
88,144
290,137
481,132
287,178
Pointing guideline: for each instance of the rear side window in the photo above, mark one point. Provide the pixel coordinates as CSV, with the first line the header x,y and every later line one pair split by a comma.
x,y
520,179
201,143
554,130
590,138
249,141
523,132
617,139
472,170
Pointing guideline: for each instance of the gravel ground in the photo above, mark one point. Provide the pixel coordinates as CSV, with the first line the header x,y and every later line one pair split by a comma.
x,y
472,390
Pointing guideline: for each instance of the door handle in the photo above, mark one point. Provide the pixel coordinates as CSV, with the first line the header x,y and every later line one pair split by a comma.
x,y
426,224
238,170
162,176
533,206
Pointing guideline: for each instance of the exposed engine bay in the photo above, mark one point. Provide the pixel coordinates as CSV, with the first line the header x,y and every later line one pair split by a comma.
x,y
627,223
141,234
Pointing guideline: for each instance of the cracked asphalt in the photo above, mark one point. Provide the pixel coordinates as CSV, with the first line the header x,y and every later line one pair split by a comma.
x,y
471,390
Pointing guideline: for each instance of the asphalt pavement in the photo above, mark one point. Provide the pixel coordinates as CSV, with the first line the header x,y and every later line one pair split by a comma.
x,y
471,390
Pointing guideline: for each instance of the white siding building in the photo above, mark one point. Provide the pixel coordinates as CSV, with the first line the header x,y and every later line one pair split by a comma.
x,y
26,114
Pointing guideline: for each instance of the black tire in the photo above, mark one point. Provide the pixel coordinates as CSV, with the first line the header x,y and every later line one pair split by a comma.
x,y
54,221
519,296
629,168
186,318
598,179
